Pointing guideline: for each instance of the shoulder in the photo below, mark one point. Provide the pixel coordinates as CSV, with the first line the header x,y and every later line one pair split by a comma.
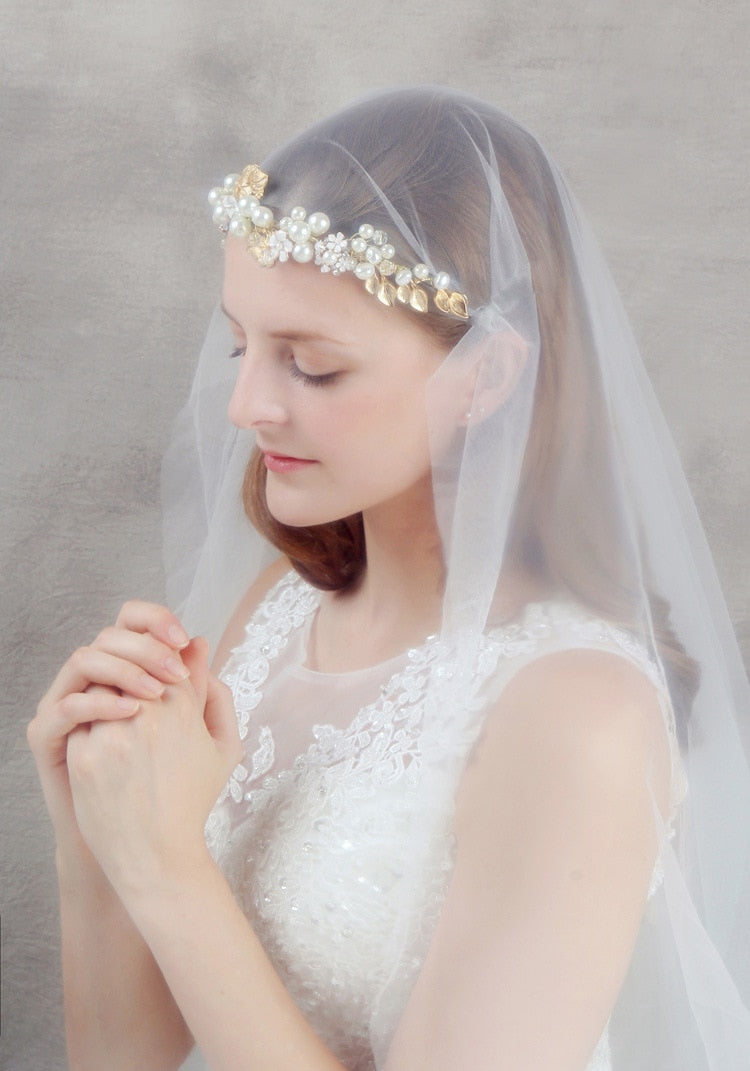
x,y
247,605
581,724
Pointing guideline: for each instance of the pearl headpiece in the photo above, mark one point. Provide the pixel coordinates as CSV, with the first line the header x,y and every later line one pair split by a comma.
x,y
305,238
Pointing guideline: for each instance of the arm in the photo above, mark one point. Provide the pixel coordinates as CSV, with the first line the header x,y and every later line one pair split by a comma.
x,y
113,988
556,841
120,1009
142,790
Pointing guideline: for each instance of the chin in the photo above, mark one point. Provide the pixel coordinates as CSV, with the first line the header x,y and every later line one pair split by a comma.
x,y
299,514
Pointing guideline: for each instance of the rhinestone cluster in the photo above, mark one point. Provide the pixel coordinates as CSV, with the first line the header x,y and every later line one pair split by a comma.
x,y
368,253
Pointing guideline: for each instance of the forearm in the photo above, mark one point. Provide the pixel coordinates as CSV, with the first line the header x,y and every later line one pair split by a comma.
x,y
230,995
119,1012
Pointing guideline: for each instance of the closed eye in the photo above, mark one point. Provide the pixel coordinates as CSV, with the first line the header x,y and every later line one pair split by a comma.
x,y
295,371
309,380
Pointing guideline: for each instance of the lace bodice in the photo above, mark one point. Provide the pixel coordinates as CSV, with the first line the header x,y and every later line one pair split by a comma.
x,y
314,828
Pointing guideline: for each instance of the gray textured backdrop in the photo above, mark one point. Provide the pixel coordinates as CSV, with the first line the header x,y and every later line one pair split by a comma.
x,y
116,119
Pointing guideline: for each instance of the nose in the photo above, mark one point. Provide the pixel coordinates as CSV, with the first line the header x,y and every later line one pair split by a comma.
x,y
256,398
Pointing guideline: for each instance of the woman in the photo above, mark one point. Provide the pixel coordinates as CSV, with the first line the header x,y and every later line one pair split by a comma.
x,y
474,816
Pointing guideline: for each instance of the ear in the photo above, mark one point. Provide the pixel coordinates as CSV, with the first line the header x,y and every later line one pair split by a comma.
x,y
493,376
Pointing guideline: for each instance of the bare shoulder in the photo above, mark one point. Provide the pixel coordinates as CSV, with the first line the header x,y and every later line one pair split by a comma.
x,y
582,720
252,598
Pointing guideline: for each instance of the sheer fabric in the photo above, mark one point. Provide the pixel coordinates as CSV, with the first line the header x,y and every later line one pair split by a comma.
x,y
566,473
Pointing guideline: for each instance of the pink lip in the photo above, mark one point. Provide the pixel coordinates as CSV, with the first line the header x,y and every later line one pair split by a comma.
x,y
283,463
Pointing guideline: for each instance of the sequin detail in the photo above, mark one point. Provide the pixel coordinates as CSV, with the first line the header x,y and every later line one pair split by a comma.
x,y
318,849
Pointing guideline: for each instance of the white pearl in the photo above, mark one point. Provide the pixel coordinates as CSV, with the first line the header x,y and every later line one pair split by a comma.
x,y
319,223
303,252
238,228
364,270
215,194
373,254
421,271
261,216
298,230
388,252
442,280
220,214
298,212
358,245
285,223
367,230
245,204
231,181
403,277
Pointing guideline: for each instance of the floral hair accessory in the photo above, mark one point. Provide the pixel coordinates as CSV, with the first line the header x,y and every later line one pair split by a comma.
x,y
305,238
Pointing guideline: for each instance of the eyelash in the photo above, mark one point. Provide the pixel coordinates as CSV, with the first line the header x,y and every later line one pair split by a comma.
x,y
296,373
311,381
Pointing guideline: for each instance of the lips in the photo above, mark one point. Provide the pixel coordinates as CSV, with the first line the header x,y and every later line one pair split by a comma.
x,y
284,463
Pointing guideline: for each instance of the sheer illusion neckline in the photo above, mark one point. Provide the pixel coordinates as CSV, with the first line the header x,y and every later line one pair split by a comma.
x,y
306,671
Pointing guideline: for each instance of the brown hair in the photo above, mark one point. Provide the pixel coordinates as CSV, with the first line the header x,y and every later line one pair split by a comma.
x,y
566,516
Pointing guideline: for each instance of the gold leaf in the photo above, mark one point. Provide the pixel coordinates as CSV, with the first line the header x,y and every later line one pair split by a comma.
x,y
252,182
387,293
458,305
371,284
442,302
418,299
403,293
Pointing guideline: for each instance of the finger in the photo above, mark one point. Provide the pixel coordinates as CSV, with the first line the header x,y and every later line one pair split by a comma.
x,y
153,656
195,657
221,719
98,704
158,620
88,666
48,732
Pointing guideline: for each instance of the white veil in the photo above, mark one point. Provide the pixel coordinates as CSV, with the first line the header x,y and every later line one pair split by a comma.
x,y
570,474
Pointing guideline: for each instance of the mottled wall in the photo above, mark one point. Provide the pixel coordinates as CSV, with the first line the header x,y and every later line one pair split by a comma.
x,y
116,118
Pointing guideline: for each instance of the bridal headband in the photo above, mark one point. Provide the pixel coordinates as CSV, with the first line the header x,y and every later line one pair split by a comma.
x,y
308,238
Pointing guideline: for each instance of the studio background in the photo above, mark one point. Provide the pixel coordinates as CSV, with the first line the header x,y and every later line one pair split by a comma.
x,y
115,120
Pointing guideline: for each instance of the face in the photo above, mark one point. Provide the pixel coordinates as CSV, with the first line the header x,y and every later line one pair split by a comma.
x,y
334,386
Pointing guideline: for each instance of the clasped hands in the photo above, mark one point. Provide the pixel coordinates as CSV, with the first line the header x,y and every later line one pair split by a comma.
x,y
134,741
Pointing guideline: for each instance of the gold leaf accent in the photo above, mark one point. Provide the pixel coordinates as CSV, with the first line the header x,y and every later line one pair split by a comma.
x,y
459,306
418,299
386,267
387,293
403,293
252,182
442,301
371,284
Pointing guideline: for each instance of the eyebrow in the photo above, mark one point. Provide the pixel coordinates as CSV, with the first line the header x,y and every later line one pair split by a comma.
x,y
291,335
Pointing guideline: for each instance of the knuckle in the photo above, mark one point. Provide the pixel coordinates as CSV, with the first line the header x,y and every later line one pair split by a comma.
x,y
129,611
33,733
105,637
80,656
66,705
81,761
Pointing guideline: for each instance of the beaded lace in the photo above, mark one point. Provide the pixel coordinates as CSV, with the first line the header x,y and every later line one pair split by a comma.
x,y
314,847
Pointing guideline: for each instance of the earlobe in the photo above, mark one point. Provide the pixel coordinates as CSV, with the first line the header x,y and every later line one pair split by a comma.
x,y
494,376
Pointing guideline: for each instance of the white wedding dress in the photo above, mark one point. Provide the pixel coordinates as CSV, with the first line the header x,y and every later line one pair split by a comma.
x,y
313,835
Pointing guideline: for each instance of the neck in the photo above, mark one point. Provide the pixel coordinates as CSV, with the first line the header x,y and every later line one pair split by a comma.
x,y
405,569
398,601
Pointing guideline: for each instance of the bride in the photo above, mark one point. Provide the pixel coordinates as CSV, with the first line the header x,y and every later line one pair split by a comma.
x,y
467,784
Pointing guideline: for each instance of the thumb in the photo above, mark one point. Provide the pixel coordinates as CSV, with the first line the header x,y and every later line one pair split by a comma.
x,y
195,658
221,719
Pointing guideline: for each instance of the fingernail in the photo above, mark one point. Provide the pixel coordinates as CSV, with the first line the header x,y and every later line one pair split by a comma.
x,y
176,667
178,636
151,685
130,706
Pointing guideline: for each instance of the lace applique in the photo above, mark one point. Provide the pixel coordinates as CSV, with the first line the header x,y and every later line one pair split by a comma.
x,y
316,851
266,635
